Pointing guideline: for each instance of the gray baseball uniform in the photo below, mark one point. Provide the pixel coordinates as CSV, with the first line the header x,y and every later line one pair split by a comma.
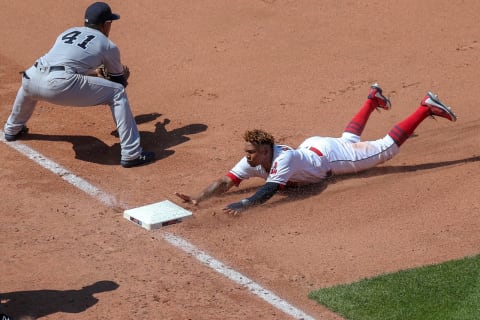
x,y
61,77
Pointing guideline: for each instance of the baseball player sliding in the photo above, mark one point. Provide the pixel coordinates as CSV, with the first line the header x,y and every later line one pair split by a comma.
x,y
69,74
318,157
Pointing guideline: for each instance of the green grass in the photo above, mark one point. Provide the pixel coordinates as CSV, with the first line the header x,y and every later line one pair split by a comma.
x,y
448,291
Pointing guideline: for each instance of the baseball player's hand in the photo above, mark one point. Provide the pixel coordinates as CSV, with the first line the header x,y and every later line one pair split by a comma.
x,y
234,208
101,72
187,198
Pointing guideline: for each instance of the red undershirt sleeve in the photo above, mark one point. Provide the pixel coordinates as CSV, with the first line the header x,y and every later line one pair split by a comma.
x,y
236,180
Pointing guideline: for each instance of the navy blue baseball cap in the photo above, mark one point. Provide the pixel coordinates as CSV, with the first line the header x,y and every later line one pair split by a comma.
x,y
99,12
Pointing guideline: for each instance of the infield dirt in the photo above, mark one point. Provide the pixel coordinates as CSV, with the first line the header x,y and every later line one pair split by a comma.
x,y
202,73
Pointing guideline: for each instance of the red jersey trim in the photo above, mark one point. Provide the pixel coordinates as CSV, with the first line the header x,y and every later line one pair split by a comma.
x,y
236,180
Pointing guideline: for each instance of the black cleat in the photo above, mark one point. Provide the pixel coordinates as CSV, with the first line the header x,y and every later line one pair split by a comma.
x,y
13,137
144,158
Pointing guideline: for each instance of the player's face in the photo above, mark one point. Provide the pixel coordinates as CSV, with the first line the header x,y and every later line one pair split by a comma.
x,y
255,155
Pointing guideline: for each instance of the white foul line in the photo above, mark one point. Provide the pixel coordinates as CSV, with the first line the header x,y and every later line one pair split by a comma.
x,y
174,240
236,277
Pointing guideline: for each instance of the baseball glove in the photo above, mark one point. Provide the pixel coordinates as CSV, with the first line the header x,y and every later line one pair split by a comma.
x,y
102,72
126,72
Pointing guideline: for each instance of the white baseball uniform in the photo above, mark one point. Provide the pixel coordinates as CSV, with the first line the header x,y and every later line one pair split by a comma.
x,y
61,77
317,158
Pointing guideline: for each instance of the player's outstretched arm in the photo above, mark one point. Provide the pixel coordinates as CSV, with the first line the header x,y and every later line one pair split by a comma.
x,y
262,195
218,186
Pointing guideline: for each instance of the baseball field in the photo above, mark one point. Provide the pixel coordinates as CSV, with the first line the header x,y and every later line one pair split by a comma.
x,y
203,72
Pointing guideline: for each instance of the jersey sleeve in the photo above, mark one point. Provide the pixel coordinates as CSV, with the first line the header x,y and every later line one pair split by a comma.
x,y
111,60
242,171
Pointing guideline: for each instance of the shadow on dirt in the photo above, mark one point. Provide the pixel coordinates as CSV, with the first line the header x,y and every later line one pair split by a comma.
x,y
91,149
384,170
306,191
41,303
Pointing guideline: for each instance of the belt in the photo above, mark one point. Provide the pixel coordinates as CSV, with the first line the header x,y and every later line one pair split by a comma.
x,y
318,152
52,68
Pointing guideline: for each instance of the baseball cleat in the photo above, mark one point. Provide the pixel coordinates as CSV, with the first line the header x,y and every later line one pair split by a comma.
x,y
13,137
437,108
376,95
144,158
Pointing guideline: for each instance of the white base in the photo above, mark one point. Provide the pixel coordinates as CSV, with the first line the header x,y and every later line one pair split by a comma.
x,y
156,215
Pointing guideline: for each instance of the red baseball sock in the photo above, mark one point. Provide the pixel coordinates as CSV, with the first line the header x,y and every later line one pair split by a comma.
x,y
358,122
402,130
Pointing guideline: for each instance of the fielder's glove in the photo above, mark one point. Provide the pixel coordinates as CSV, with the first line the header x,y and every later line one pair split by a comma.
x,y
126,72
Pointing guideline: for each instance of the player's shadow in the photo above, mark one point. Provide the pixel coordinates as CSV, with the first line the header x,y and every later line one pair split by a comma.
x,y
161,138
290,193
306,191
41,303
92,149
384,170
